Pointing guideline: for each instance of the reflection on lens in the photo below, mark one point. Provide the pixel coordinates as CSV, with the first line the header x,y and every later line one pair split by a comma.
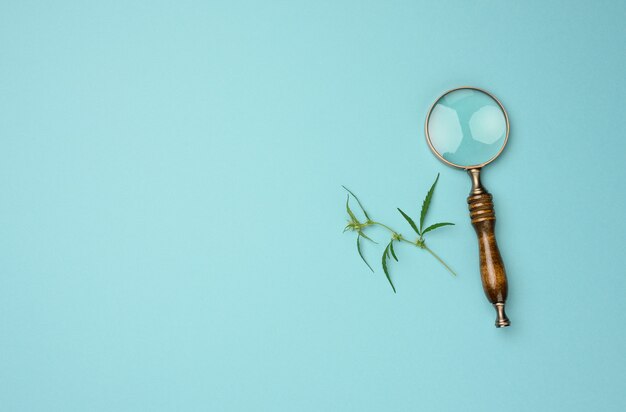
x,y
467,127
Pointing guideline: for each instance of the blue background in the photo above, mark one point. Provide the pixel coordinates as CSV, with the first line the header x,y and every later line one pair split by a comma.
x,y
171,209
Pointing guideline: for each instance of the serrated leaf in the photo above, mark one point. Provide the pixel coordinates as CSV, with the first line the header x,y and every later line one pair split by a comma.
x,y
426,203
386,270
393,253
358,248
435,226
408,219
358,201
352,216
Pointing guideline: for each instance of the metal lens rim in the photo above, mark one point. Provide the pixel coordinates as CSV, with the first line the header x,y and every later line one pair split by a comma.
x,y
477,166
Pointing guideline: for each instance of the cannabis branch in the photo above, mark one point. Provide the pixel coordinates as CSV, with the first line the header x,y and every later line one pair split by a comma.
x,y
355,225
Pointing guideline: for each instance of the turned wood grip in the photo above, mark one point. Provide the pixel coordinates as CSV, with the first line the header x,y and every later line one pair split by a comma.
x,y
492,270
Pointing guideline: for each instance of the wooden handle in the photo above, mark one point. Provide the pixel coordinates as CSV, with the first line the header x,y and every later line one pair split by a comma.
x,y
492,269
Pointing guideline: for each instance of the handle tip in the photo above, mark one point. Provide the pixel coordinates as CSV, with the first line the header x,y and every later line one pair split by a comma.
x,y
502,320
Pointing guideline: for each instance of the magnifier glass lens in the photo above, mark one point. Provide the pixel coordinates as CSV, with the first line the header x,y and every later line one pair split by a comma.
x,y
467,127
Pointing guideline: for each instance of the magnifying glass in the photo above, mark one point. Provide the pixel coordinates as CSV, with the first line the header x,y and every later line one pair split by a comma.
x,y
468,128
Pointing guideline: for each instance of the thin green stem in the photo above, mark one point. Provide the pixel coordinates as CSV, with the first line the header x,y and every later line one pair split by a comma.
x,y
439,259
416,243
371,222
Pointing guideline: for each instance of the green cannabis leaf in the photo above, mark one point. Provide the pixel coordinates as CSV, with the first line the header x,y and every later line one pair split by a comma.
x,y
426,203
435,226
358,201
411,222
385,256
358,248
358,226
392,251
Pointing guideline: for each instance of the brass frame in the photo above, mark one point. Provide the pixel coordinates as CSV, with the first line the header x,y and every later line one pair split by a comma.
x,y
430,144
